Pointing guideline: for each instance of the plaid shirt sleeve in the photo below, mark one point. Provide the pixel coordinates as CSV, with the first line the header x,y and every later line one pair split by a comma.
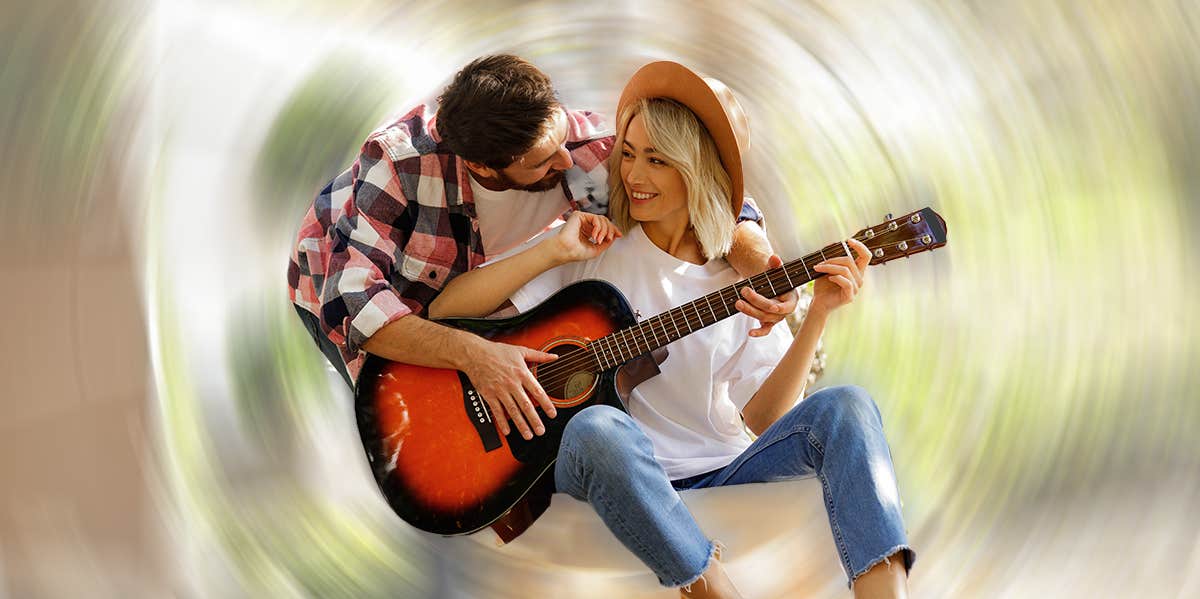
x,y
590,143
358,296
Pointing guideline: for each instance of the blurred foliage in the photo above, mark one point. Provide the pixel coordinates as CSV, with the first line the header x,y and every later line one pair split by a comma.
x,y
317,549
277,379
1050,346
67,73
281,538
317,134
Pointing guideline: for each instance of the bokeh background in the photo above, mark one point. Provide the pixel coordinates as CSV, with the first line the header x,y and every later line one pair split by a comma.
x,y
168,429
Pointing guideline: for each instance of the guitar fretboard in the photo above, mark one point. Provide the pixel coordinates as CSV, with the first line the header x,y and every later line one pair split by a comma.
x,y
672,325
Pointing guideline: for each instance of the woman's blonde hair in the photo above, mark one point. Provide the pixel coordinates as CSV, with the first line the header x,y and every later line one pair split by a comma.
x,y
677,135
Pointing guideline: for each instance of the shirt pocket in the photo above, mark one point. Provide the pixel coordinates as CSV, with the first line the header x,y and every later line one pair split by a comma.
x,y
430,271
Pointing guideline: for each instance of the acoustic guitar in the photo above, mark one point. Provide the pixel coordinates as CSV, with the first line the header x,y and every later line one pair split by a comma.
x,y
434,446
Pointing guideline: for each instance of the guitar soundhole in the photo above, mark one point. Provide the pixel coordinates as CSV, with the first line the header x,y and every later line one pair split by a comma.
x,y
561,379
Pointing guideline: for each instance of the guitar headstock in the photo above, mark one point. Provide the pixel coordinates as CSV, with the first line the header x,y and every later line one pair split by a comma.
x,y
913,233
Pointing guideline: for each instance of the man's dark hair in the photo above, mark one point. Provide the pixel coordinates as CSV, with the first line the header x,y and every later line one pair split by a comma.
x,y
495,109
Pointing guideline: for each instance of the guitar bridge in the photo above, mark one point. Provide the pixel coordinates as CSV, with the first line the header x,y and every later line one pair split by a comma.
x,y
481,417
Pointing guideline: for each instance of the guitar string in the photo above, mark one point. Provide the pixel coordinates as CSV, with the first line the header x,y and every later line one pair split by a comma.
x,y
579,359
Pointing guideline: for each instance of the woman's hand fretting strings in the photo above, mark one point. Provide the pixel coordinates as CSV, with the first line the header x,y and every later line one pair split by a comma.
x,y
844,279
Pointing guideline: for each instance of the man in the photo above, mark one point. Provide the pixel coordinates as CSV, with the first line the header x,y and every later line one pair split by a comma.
x,y
430,197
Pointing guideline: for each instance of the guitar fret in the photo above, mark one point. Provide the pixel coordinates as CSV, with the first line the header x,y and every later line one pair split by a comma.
x,y
768,276
607,346
803,262
677,335
710,310
789,278
652,331
595,355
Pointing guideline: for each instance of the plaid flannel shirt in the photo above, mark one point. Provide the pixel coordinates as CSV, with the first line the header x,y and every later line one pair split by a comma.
x,y
384,236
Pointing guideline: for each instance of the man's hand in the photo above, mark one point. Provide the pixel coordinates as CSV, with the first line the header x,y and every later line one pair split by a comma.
x,y
502,377
766,310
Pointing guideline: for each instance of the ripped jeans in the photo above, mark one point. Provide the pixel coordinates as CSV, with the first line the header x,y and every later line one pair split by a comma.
x,y
836,434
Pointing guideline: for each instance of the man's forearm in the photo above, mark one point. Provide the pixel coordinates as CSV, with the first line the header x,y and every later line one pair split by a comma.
x,y
750,250
414,340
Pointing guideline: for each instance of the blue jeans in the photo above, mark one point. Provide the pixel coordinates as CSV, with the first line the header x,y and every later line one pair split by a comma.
x,y
835,434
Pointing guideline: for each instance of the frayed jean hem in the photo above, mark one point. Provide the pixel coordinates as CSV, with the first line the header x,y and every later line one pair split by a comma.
x,y
715,548
909,558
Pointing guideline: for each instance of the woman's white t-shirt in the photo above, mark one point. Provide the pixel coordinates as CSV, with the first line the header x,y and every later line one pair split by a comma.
x,y
691,411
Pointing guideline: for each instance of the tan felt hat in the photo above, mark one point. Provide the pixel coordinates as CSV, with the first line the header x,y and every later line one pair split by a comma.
x,y
709,99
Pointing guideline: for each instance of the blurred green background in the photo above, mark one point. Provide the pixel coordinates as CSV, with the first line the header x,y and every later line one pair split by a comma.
x,y
1037,376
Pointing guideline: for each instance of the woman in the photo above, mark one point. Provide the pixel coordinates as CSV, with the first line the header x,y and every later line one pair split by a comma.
x,y
675,184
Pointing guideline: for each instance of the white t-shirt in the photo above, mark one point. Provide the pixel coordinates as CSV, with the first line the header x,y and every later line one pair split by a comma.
x,y
691,411
509,218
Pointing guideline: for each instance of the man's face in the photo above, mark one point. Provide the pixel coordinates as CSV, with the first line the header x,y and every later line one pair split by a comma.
x,y
539,169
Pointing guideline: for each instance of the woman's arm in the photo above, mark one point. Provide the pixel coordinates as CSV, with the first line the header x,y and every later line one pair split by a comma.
x,y
786,382
844,277
481,291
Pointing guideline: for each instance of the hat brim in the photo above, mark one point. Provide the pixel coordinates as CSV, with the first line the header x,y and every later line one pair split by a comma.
x,y
712,103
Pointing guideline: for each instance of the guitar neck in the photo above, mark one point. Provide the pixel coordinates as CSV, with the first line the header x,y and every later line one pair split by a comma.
x,y
913,233
677,323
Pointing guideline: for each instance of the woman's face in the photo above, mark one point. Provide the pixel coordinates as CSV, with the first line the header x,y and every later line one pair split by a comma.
x,y
656,191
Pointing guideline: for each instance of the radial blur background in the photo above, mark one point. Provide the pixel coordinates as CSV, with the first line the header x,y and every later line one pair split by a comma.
x,y
169,429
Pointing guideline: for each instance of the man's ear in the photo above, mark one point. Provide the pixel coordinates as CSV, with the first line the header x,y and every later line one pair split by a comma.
x,y
480,170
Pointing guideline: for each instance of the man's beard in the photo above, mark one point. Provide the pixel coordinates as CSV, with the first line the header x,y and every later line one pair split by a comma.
x,y
550,181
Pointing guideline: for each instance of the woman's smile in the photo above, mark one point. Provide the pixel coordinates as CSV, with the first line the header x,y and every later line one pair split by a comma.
x,y
641,197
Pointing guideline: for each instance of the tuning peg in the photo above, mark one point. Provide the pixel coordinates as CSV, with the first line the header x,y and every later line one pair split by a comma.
x,y
888,217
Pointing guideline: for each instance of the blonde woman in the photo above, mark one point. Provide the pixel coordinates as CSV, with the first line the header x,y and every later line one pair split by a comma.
x,y
675,184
